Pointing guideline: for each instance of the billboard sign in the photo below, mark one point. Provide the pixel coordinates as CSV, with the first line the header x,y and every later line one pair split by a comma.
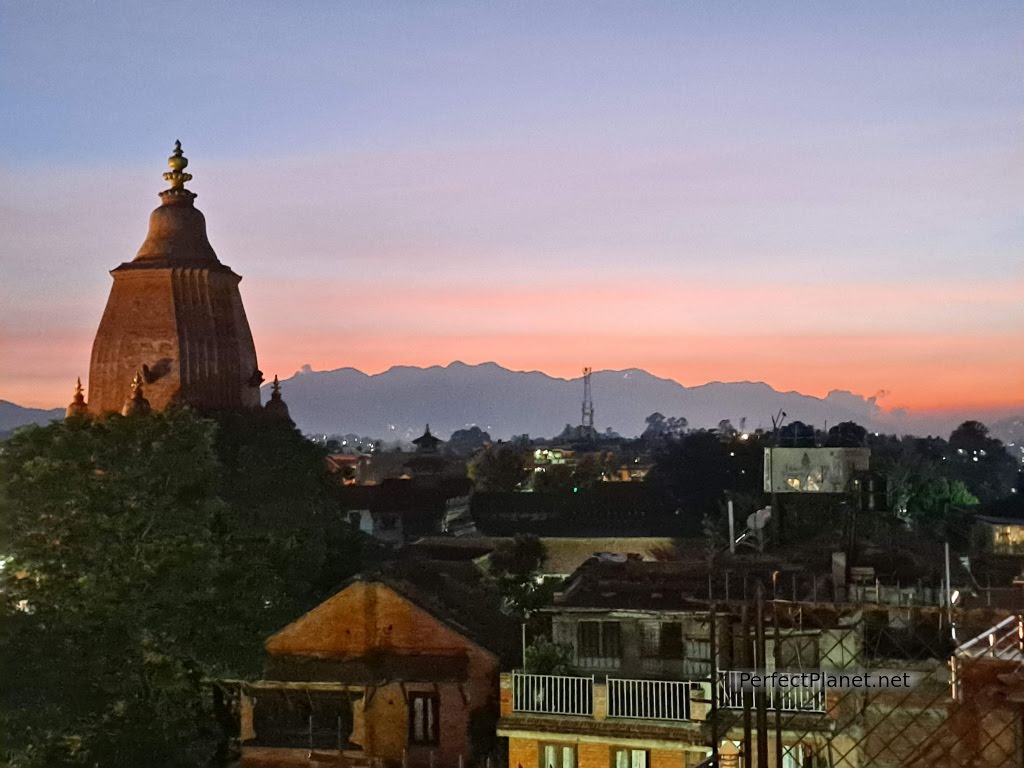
x,y
812,470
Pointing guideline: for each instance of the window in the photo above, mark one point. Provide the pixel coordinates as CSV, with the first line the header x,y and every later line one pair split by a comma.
x,y
423,725
661,640
557,756
671,640
650,639
629,758
598,639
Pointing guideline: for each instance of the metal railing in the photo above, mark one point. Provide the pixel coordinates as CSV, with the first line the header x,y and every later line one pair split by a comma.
x,y
649,699
806,699
1004,641
552,694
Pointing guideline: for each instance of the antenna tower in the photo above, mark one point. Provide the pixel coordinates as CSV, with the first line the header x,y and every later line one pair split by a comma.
x,y
588,401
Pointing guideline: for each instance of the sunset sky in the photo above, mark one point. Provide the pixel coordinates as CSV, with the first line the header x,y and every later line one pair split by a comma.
x,y
818,195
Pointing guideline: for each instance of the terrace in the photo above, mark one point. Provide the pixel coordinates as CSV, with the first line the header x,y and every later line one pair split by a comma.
x,y
667,701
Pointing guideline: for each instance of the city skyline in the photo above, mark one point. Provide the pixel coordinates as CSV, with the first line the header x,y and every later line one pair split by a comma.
x,y
691,192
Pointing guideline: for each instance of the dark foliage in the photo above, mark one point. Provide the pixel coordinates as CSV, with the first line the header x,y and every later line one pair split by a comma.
x,y
143,556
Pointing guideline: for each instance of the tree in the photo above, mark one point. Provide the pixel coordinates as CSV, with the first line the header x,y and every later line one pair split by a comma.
x,y
114,565
497,469
981,462
697,470
796,434
972,436
554,478
587,472
144,555
282,507
563,478
847,434
658,427
544,657
466,442
515,567
933,497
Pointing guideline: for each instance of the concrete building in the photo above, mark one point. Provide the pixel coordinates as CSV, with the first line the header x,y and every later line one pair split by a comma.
x,y
651,678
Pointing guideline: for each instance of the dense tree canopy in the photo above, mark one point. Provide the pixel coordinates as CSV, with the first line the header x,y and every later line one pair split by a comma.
x,y
143,555
516,566
500,468
847,434
466,442
698,470
658,427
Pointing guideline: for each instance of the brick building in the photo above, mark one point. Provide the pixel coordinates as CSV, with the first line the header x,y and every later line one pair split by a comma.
x,y
399,667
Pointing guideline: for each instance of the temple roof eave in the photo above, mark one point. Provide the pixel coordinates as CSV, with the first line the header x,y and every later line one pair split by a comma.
x,y
174,263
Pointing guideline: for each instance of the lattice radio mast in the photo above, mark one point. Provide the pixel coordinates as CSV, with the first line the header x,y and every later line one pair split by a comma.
x,y
588,401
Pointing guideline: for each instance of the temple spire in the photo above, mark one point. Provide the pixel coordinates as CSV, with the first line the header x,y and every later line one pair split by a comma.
x,y
427,443
136,404
78,406
276,406
175,313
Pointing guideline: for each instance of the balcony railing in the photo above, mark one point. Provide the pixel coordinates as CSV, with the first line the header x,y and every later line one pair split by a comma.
x,y
649,699
617,697
1004,641
552,694
806,699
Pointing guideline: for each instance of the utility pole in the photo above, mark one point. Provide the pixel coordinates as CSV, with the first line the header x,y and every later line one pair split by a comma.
x,y
714,684
761,695
777,653
746,693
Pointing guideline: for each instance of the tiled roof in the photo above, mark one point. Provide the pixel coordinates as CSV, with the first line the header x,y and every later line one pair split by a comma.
x,y
459,594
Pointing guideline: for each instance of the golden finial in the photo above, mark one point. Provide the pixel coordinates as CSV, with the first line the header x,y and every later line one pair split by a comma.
x,y
276,406
136,402
77,406
177,163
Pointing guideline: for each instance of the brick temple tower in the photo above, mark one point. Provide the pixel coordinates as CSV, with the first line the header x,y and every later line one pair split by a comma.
x,y
175,318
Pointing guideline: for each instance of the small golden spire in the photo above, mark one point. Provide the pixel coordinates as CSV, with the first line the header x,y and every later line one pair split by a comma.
x,y
136,404
276,406
177,177
77,407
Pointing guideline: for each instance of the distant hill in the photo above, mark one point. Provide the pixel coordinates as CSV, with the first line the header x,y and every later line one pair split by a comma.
x,y
13,416
397,403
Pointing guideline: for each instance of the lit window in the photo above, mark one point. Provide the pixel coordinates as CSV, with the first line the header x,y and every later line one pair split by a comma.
x,y
557,756
423,718
629,758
